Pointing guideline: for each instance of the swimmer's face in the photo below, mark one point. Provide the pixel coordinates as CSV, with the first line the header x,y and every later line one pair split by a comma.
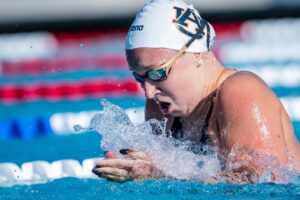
x,y
175,95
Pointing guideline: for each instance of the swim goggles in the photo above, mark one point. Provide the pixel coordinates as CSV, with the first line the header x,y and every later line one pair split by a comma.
x,y
161,72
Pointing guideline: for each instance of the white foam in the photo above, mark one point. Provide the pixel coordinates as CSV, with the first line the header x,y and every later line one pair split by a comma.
x,y
63,123
169,155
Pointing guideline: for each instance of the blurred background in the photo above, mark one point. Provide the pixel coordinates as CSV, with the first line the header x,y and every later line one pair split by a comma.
x,y
59,58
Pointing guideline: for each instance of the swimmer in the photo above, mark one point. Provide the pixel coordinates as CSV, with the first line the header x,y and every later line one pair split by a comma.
x,y
168,49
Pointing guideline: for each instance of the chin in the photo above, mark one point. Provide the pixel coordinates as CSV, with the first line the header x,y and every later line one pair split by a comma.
x,y
178,113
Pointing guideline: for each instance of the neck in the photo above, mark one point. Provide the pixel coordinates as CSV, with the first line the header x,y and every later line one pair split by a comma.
x,y
213,72
196,120
212,76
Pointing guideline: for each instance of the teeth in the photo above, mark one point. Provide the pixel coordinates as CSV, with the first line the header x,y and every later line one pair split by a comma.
x,y
155,100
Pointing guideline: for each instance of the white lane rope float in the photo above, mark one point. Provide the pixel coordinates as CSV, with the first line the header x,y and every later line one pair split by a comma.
x,y
63,123
42,171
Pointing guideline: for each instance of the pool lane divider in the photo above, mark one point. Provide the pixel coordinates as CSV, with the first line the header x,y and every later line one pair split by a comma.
x,y
48,108
77,40
56,124
63,123
68,90
57,65
25,128
79,75
280,75
43,171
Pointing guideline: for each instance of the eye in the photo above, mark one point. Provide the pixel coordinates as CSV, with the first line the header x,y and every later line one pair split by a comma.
x,y
155,75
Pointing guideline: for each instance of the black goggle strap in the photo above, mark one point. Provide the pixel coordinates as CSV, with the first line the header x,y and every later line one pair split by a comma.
x,y
208,33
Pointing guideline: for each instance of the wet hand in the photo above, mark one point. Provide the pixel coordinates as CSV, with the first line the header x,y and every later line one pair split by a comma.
x,y
138,165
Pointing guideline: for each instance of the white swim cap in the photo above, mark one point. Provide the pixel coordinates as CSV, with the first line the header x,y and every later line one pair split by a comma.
x,y
170,24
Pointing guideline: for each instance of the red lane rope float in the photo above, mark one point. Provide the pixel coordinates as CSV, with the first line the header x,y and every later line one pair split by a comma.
x,y
68,90
228,29
83,36
223,29
58,65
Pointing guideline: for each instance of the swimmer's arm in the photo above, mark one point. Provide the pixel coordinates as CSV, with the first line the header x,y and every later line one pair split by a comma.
x,y
250,120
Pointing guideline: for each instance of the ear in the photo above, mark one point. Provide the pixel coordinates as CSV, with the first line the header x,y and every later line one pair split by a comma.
x,y
198,57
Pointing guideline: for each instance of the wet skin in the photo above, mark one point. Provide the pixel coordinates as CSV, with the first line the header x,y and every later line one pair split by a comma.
x,y
246,114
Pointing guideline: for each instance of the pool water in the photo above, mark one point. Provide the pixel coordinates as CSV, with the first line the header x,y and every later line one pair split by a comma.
x,y
282,73
73,188
86,145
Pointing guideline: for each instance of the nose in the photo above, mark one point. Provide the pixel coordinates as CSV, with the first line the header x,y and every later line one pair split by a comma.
x,y
150,89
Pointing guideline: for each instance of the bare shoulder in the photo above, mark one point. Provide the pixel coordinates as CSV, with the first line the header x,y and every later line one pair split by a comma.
x,y
245,87
249,113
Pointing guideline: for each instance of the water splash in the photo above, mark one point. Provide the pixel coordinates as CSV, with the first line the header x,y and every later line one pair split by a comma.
x,y
169,155
261,122
175,158
257,162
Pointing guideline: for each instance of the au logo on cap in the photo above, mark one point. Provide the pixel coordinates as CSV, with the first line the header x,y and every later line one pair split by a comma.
x,y
183,20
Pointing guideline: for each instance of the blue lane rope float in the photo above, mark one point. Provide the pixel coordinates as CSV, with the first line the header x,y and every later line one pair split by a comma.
x,y
25,128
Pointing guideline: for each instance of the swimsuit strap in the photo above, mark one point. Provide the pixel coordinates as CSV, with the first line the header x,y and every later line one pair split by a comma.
x,y
205,137
215,84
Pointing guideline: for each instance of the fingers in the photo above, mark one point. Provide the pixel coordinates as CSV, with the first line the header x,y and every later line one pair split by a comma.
x,y
111,171
112,174
109,155
120,170
116,163
116,178
139,155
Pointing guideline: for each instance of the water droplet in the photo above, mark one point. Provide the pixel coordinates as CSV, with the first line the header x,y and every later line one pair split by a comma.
x,y
77,128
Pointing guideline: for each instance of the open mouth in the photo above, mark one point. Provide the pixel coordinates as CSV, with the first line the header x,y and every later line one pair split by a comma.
x,y
164,107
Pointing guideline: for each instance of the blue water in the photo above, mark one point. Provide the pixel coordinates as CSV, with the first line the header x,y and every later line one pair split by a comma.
x,y
73,188
86,145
